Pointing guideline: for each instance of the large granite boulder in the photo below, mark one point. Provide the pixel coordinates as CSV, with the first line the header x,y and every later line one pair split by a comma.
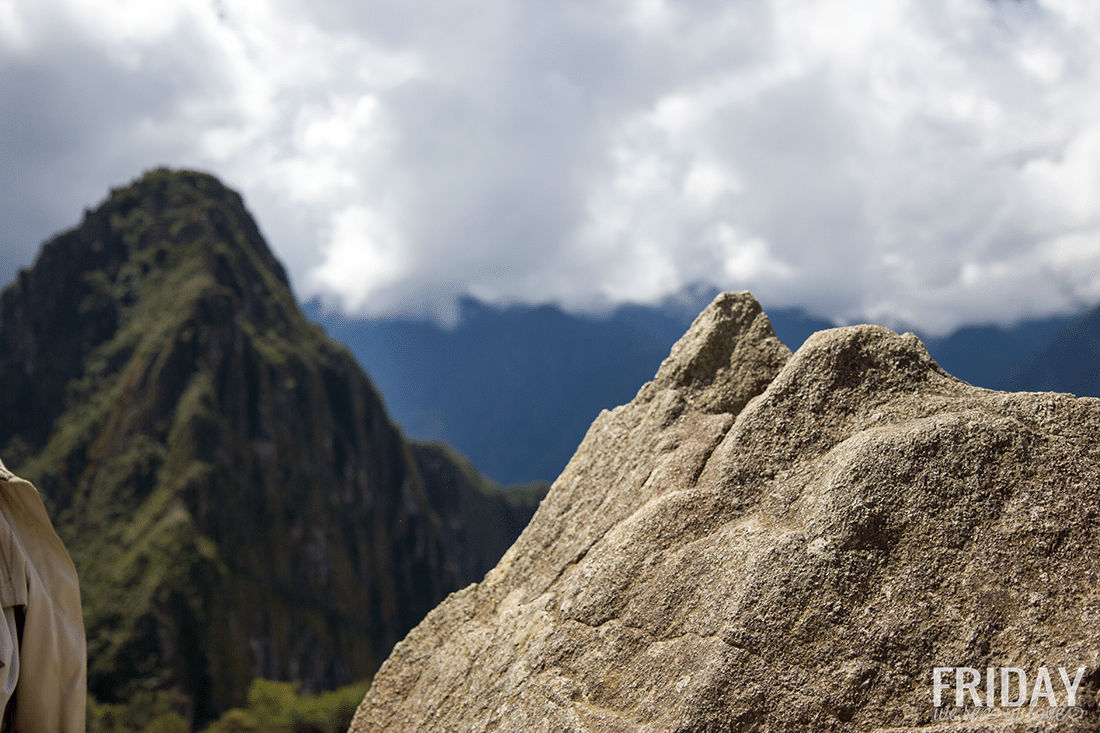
x,y
761,541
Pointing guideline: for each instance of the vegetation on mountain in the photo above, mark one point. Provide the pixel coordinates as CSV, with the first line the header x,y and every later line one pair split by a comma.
x,y
272,707
236,501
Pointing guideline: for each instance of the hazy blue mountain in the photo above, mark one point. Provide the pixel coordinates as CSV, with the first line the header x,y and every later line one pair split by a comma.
x,y
984,355
1068,362
515,388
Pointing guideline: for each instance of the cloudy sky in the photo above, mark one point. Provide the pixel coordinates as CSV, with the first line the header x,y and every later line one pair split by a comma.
x,y
931,162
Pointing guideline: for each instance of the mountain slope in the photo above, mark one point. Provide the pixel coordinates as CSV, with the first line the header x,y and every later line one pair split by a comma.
x,y
225,476
983,355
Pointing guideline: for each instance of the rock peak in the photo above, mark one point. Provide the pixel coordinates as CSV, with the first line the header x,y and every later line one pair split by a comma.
x,y
728,355
759,542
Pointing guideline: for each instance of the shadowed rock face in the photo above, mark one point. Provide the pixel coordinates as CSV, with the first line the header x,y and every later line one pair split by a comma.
x,y
761,541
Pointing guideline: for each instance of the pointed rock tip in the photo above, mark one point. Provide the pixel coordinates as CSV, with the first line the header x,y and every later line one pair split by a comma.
x,y
728,355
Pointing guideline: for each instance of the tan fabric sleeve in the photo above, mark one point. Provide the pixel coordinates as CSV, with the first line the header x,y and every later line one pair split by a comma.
x,y
9,658
51,693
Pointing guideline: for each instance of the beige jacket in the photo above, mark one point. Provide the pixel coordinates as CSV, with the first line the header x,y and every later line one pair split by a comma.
x,y
36,572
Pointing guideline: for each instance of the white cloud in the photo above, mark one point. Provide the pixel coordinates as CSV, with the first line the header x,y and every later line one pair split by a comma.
x,y
1066,186
932,162
363,257
706,182
13,33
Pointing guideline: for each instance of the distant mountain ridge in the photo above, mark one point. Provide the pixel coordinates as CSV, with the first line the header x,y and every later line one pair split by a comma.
x,y
232,492
1068,362
515,388
512,389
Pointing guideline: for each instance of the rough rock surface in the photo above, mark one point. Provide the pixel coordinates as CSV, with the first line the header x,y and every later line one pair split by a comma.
x,y
760,541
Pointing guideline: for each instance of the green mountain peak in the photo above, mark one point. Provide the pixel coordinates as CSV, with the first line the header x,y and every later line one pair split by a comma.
x,y
236,501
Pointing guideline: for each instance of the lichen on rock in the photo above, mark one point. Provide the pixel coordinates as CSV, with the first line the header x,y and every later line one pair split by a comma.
x,y
766,541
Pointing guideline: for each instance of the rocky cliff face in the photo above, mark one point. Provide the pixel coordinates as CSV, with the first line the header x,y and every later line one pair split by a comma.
x,y
225,477
761,541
